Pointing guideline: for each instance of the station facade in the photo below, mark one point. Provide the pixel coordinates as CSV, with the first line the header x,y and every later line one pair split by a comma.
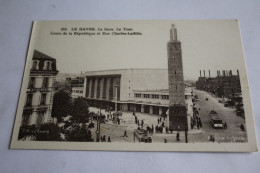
x,y
136,90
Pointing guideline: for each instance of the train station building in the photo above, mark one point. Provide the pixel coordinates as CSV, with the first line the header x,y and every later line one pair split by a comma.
x,y
136,90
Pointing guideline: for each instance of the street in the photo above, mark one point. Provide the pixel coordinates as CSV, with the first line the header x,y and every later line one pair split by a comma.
x,y
233,132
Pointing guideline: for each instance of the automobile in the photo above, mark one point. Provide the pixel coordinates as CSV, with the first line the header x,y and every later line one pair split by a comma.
x,y
215,121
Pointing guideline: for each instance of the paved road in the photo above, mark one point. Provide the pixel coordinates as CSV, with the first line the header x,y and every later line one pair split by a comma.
x,y
231,134
227,114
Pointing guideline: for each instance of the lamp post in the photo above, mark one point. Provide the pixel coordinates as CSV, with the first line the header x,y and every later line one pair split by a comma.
x,y
98,125
116,109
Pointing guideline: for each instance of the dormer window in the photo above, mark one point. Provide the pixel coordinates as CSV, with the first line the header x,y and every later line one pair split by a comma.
x,y
48,65
35,64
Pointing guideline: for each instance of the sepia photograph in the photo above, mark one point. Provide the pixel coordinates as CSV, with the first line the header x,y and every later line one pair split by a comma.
x,y
135,86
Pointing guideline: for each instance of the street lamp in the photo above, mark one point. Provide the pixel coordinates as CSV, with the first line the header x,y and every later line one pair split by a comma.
x,y
116,109
98,125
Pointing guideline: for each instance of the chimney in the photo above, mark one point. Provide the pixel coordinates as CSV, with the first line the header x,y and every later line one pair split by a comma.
x,y
209,73
238,72
224,73
200,73
230,72
204,72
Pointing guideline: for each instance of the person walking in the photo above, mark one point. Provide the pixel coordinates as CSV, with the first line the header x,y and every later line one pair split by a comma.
x,y
178,136
125,134
108,139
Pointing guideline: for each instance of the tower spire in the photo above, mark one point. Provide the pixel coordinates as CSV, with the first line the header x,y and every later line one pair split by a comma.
x,y
173,33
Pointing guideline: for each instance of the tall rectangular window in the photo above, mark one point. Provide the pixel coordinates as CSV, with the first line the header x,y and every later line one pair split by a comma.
x,y
45,82
43,99
31,82
26,119
29,100
40,118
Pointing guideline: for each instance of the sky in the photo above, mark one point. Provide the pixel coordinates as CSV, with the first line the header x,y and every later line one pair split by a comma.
x,y
206,45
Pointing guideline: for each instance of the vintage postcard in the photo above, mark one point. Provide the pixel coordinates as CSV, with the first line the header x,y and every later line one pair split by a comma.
x,y
135,86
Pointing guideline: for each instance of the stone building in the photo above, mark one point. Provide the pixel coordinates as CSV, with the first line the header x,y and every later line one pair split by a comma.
x,y
40,91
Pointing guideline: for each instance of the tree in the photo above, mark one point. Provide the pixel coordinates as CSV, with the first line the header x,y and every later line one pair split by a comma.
x,y
78,133
80,110
61,105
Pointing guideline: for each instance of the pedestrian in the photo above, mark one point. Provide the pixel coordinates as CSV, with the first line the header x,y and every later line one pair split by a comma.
x,y
108,139
178,136
142,123
165,140
125,134
138,123
162,124
152,128
104,138
134,113
211,138
158,120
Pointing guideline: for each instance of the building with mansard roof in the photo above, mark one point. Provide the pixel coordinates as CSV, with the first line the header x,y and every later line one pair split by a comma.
x,y
40,91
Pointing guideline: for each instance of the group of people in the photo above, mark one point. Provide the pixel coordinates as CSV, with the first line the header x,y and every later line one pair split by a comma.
x,y
103,139
195,120
139,123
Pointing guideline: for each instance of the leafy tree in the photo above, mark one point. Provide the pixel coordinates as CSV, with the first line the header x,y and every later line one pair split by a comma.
x,y
61,105
78,133
80,111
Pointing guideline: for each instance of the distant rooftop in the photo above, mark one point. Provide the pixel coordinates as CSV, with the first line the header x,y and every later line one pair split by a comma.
x,y
40,55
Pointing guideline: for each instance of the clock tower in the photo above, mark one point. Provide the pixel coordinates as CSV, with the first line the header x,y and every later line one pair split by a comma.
x,y
177,105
